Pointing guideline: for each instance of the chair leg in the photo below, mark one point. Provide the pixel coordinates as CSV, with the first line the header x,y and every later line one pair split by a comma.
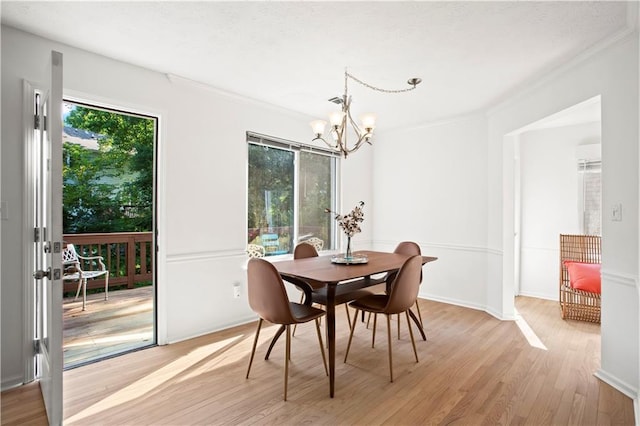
x,y
106,286
398,326
375,324
79,288
346,308
353,327
84,294
368,318
413,342
287,355
255,343
324,358
389,343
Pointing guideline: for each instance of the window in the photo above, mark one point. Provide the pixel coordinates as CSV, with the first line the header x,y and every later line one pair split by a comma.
x,y
589,181
289,187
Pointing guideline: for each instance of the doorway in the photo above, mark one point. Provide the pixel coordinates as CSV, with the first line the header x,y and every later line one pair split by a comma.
x,y
109,216
556,190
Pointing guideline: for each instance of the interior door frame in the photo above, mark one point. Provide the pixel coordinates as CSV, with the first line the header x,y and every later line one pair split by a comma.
x,y
29,91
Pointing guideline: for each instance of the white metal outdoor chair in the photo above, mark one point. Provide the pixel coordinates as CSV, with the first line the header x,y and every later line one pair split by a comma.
x,y
316,242
72,264
255,250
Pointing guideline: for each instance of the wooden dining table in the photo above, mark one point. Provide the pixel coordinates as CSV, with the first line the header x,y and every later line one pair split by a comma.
x,y
322,269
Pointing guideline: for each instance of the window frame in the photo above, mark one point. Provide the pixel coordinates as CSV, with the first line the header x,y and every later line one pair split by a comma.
x,y
253,138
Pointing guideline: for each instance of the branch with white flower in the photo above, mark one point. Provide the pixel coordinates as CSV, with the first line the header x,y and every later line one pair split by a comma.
x,y
350,223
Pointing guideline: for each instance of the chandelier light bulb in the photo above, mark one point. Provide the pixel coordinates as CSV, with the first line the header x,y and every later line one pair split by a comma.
x,y
336,117
318,126
369,122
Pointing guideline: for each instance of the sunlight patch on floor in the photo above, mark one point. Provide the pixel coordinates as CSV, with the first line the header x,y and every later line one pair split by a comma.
x,y
154,380
240,349
528,333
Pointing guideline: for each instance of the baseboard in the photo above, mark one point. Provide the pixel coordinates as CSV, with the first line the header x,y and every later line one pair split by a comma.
x,y
553,298
623,387
11,382
618,384
241,321
466,304
455,302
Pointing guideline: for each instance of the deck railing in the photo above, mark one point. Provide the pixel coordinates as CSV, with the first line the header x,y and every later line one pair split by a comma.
x,y
129,256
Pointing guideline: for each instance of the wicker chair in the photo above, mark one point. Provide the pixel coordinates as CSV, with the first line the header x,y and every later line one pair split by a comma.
x,y
578,304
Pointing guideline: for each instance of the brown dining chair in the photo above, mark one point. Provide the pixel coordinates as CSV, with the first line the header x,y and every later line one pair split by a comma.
x,y
409,248
268,298
303,251
403,294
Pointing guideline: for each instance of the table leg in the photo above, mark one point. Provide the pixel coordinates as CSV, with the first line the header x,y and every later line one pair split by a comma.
x,y
417,321
274,340
331,335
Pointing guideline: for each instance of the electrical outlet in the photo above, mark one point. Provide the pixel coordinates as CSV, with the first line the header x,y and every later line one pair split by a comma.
x,y
236,290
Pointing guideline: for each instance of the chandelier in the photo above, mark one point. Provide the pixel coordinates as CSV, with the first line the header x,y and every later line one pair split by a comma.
x,y
339,119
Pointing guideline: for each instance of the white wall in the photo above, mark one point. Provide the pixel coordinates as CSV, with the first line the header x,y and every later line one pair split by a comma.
x,y
430,187
202,185
549,201
613,74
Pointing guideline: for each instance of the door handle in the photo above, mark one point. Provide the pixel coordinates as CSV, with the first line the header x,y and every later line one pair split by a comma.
x,y
40,274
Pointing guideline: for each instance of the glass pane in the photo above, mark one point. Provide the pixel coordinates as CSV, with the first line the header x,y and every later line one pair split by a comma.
x,y
315,195
270,199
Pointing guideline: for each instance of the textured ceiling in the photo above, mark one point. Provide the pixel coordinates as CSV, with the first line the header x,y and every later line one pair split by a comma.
x,y
470,55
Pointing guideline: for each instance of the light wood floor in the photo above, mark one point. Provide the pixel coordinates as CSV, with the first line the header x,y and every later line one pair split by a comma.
x,y
473,370
107,327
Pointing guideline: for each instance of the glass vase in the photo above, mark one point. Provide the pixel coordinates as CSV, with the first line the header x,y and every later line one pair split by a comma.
x,y
348,254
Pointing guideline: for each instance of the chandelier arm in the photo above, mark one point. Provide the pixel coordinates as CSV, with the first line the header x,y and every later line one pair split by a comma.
x,y
378,89
325,141
354,124
346,150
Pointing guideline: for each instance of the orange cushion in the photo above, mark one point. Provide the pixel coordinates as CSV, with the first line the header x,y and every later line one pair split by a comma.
x,y
584,276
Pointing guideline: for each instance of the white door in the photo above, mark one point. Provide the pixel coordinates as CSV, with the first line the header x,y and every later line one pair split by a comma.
x,y
48,240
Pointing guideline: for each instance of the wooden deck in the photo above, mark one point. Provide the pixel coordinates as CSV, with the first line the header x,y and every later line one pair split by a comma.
x,y
105,328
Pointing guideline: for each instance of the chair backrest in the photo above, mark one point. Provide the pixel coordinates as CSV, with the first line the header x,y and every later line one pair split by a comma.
x,y
304,250
406,247
404,291
267,295
578,248
69,255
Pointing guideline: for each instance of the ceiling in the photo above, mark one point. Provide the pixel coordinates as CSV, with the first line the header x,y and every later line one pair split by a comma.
x,y
470,55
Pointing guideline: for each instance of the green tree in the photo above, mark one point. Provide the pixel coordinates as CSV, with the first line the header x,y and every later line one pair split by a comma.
x,y
110,190
270,172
